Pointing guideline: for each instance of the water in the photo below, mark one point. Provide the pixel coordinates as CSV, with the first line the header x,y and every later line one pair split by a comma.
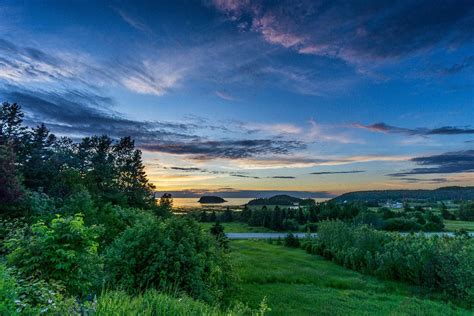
x,y
193,202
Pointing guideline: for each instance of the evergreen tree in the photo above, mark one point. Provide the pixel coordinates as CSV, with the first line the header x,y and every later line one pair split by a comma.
x,y
10,188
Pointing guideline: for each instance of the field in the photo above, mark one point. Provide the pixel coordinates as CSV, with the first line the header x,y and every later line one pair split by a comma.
x,y
457,225
297,283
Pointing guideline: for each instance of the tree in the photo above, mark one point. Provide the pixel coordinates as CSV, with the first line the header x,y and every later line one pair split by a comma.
x,y
466,212
217,230
445,213
166,203
10,188
227,216
131,176
38,169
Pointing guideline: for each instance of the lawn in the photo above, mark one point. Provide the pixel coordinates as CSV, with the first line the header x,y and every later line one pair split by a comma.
x,y
297,283
237,227
457,225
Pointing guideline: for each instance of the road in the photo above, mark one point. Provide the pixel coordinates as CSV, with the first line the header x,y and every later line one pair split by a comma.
x,y
302,235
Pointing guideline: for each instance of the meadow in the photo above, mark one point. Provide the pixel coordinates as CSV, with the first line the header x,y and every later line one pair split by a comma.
x,y
297,283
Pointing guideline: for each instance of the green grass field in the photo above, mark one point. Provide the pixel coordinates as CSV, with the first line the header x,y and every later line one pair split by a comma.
x,y
457,225
297,283
237,227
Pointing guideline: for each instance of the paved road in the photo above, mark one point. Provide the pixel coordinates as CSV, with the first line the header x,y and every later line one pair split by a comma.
x,y
302,235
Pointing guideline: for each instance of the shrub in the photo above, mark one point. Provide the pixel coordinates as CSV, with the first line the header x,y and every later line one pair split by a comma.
x,y
466,212
443,264
174,255
64,252
291,241
9,292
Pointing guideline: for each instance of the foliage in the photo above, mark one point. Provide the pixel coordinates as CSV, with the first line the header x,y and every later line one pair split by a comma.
x,y
175,255
442,264
466,212
9,292
291,241
63,251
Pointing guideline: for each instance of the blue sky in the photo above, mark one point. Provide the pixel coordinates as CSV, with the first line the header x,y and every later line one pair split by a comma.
x,y
326,96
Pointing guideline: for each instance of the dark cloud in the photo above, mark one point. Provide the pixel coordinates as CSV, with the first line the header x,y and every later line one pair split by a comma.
x,y
337,172
79,113
420,180
355,30
230,149
282,177
185,169
444,130
450,162
244,176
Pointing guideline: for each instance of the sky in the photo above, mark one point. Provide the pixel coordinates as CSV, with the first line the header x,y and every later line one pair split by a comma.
x,y
237,96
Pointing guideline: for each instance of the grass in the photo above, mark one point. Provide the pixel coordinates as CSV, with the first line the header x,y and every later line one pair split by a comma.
x,y
154,303
297,283
457,225
237,227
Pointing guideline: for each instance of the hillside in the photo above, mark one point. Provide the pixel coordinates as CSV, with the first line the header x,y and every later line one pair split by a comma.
x,y
444,193
277,200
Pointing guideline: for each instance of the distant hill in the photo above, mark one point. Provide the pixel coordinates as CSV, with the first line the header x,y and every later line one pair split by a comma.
x,y
211,199
444,193
281,200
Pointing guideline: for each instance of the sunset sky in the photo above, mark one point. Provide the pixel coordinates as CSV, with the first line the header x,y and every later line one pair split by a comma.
x,y
324,96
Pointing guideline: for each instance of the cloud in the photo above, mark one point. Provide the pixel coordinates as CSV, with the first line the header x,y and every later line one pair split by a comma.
x,y
79,113
25,65
228,149
444,130
282,177
225,96
422,180
185,168
337,172
450,162
133,21
454,69
350,31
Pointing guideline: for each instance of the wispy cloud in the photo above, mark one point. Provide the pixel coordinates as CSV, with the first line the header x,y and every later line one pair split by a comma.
x,y
225,96
23,65
337,172
444,130
133,21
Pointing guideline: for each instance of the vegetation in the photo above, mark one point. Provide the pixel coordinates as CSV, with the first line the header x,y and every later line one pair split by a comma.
x,y
78,217
440,194
297,283
281,218
442,264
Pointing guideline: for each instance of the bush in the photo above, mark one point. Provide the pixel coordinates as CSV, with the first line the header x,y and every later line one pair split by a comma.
x,y
63,252
174,255
291,241
9,292
442,264
466,212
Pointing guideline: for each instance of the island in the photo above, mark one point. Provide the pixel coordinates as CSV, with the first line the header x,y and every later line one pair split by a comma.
x,y
211,200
